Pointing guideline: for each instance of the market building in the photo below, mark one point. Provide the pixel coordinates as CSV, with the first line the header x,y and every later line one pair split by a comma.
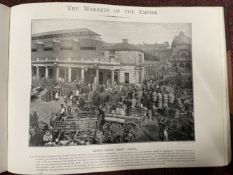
x,y
181,55
82,55
180,62
131,60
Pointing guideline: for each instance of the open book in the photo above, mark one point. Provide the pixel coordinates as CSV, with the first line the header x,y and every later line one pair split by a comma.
x,y
93,87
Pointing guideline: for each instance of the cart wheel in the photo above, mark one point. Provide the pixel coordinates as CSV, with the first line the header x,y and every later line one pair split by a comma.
x,y
134,129
85,135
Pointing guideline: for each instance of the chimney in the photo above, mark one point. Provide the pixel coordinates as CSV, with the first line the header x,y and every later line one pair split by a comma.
x,y
125,41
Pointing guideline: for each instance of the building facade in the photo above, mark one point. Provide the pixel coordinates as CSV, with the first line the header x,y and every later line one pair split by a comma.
x,y
131,61
181,61
81,55
158,51
181,55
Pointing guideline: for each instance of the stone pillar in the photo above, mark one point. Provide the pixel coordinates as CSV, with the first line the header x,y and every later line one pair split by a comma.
x,y
46,72
112,78
82,74
69,74
97,76
119,76
37,72
57,74
142,74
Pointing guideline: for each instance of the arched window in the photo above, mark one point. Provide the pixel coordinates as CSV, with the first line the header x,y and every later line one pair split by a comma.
x,y
184,54
182,65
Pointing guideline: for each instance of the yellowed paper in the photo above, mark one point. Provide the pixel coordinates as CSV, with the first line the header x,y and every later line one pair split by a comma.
x,y
209,148
4,47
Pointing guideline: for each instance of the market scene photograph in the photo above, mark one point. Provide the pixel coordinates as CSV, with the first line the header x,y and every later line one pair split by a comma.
x,y
106,82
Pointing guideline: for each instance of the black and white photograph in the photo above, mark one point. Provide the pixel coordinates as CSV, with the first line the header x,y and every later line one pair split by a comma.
x,y
97,82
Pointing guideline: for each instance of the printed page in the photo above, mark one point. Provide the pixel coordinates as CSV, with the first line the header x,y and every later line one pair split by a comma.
x,y
98,87
4,45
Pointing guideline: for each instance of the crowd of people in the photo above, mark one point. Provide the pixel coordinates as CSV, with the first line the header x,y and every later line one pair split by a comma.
x,y
170,105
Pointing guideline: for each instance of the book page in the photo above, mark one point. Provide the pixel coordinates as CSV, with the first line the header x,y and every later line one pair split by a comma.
x,y
102,88
4,40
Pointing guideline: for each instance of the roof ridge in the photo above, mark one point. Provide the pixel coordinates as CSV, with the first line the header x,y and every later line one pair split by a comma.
x,y
84,29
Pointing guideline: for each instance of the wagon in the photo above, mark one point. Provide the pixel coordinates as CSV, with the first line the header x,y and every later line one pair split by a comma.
x,y
82,126
121,128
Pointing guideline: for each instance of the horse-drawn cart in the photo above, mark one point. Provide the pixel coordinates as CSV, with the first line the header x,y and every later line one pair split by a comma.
x,y
83,127
122,128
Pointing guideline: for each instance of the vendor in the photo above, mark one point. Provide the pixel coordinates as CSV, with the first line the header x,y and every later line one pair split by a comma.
x,y
62,112
101,118
56,95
